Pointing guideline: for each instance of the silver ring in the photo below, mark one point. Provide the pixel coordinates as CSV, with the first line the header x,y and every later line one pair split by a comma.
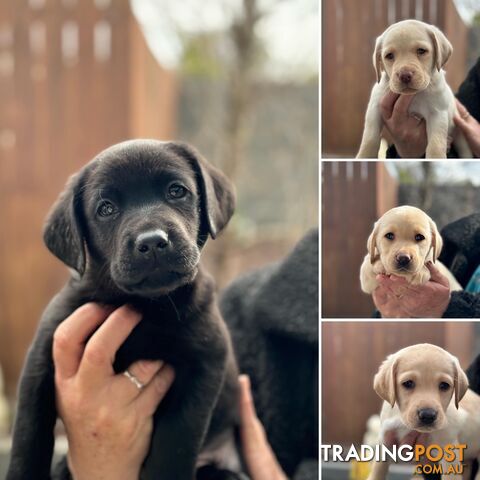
x,y
416,117
134,379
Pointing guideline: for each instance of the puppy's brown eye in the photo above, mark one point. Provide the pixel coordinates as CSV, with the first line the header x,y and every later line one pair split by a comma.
x,y
177,191
444,386
421,51
409,384
419,237
390,236
389,56
105,209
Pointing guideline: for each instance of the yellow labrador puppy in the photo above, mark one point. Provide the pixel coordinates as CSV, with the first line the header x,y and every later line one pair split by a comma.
x,y
425,389
403,240
408,60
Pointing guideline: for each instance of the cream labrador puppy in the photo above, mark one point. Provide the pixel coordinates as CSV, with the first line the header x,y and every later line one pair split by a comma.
x,y
408,60
403,240
425,389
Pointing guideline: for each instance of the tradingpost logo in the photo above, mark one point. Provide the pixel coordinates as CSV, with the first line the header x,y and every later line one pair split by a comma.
x,y
444,460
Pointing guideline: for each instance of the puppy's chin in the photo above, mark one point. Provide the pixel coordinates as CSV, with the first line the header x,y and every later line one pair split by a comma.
x,y
407,90
402,272
156,284
419,427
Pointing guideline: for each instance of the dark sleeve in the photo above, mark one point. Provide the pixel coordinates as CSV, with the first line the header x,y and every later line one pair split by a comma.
x,y
307,470
469,91
463,305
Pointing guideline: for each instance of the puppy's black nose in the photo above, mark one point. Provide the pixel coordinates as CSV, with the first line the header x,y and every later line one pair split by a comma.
x,y
405,77
427,415
402,259
151,241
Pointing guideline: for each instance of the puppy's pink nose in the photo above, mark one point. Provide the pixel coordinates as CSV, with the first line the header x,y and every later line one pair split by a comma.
x,y
405,77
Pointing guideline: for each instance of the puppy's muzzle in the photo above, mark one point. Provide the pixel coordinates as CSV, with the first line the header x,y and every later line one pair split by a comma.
x,y
405,76
152,243
427,416
403,260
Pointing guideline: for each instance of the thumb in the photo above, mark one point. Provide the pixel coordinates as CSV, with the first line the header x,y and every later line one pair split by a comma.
x,y
259,457
436,276
461,124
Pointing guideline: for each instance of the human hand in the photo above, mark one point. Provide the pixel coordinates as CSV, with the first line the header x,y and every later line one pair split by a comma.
x,y
395,298
409,133
107,418
259,457
469,127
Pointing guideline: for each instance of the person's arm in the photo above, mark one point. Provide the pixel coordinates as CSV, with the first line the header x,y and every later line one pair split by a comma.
x,y
107,418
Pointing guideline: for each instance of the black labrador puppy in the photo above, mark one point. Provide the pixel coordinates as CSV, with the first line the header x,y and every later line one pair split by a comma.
x,y
131,224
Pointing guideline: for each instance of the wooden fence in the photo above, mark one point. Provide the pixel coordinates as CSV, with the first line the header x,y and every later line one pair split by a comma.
x,y
350,28
354,195
351,355
75,77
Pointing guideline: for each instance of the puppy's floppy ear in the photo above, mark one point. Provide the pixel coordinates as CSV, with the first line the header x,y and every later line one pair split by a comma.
x,y
437,242
63,233
442,48
460,381
377,57
217,194
385,380
372,242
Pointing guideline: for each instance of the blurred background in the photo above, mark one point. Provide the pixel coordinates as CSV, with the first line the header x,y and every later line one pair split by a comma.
x,y
236,78
351,355
355,194
349,30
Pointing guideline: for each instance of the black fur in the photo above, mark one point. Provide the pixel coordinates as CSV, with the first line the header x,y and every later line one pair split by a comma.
x,y
181,323
272,315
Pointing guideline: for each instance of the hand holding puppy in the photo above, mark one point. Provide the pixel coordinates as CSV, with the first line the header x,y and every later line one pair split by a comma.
x,y
395,298
108,419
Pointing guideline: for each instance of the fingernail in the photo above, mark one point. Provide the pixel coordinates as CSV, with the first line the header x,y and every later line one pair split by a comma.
x,y
246,386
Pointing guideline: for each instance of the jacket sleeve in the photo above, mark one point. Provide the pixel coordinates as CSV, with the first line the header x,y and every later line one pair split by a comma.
x,y
469,91
463,305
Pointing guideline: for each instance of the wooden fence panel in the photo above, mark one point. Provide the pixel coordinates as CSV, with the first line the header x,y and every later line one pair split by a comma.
x,y
349,31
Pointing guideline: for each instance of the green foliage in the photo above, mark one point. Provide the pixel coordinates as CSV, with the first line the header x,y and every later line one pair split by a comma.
x,y
201,57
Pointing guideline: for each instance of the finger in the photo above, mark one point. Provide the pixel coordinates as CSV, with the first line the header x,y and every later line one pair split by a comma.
x,y
462,124
70,337
410,438
436,276
259,457
153,393
401,106
387,103
462,110
390,438
143,371
397,280
100,350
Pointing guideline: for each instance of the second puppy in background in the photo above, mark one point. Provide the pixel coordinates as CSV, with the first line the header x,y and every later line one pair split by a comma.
x,y
408,60
403,240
